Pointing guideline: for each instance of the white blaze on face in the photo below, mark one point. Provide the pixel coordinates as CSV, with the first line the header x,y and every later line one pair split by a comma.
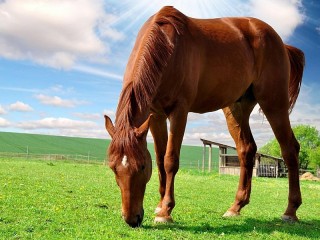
x,y
125,161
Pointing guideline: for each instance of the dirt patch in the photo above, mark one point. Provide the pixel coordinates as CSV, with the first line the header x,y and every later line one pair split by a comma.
x,y
309,176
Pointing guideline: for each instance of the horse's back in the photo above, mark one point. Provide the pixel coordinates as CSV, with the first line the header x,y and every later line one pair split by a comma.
x,y
212,63
245,37
234,52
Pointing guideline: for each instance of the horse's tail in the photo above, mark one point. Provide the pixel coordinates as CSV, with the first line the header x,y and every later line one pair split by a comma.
x,y
297,62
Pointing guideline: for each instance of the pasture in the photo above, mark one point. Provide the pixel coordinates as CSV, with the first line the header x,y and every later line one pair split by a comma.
x,y
46,145
68,200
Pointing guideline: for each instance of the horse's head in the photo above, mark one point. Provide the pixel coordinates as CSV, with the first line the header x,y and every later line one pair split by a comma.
x,y
131,163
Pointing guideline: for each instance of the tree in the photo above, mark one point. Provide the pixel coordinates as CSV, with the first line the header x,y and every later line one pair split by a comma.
x,y
315,158
272,148
309,139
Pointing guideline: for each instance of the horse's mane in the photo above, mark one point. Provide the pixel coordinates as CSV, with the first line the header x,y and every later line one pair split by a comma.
x,y
154,51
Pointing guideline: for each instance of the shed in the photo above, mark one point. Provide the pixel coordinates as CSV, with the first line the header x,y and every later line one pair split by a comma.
x,y
264,165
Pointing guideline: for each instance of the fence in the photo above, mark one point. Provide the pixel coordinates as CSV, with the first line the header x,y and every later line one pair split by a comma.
x,y
53,157
187,162
265,169
271,170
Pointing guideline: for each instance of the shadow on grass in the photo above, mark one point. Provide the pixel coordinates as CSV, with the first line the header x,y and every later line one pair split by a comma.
x,y
305,228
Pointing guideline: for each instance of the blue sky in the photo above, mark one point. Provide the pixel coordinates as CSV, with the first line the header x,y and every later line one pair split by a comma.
x,y
62,62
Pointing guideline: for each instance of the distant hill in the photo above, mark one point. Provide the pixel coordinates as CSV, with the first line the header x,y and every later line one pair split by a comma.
x,y
191,156
47,144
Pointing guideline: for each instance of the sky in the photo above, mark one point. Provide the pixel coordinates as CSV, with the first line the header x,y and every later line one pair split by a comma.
x,y
62,62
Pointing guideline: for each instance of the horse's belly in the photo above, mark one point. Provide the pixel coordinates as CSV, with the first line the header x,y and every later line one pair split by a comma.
x,y
212,98
209,105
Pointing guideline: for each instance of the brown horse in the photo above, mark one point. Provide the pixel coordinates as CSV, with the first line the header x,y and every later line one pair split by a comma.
x,y
180,65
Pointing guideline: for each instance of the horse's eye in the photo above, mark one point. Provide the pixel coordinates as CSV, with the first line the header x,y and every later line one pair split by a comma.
x,y
143,167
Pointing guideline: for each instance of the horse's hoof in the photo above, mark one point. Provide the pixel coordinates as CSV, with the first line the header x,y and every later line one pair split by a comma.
x,y
157,210
231,214
289,219
163,219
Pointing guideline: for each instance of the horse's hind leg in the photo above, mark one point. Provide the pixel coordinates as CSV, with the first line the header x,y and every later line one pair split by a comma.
x,y
237,117
271,91
278,118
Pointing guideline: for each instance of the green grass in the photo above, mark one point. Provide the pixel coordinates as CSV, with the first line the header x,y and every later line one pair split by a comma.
x,y
191,156
46,144
66,200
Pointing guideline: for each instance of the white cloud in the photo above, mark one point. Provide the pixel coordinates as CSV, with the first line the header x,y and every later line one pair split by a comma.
x,y
19,89
56,123
96,71
318,29
106,31
62,33
283,15
20,107
59,89
2,110
4,122
111,114
212,126
89,116
57,101
54,33
86,133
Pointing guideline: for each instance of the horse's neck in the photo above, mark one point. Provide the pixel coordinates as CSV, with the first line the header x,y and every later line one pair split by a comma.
x,y
132,117
140,117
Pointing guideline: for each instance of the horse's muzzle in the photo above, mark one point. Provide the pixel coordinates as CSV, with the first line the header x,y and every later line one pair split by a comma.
x,y
134,221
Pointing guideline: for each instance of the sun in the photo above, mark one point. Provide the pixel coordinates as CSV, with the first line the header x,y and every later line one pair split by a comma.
x,y
135,13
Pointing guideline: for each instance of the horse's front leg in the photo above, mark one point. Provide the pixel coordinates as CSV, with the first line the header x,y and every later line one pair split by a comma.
x,y
158,127
178,121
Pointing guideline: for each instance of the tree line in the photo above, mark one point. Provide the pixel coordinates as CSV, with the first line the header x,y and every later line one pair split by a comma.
x,y
309,139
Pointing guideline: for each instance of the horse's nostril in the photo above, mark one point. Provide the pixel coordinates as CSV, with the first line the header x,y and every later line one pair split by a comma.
x,y
135,223
140,218
134,220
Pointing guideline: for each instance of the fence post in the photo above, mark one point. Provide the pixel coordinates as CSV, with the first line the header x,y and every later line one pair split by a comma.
x,y
222,157
210,158
204,156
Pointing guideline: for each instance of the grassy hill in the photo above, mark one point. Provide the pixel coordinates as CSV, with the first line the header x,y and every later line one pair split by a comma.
x,y
191,156
46,144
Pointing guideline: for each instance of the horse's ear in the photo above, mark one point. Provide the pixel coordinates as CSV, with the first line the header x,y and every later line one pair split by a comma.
x,y
109,125
143,129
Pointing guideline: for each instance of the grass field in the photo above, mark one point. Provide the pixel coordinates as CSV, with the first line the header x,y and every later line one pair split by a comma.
x,y
66,200
46,144
96,148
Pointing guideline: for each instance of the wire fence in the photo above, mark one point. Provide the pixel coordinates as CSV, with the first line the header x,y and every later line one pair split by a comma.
x,y
188,163
52,157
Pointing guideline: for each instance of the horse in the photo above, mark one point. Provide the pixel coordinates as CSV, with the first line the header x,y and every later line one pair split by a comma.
x,y
180,65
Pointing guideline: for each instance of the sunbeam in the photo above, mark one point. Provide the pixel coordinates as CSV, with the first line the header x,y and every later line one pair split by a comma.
x,y
283,15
